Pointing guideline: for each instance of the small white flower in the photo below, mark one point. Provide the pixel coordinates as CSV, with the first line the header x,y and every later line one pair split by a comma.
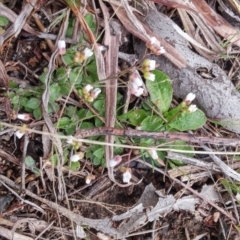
x,y
70,140
153,154
127,176
87,88
88,181
192,108
76,157
89,178
161,50
87,53
153,40
102,48
149,65
115,161
137,92
190,97
149,76
19,134
95,93
24,116
61,47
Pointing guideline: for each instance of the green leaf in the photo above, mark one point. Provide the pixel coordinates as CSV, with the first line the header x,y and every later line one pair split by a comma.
x,y
187,121
63,122
91,22
160,90
54,92
30,162
152,123
61,75
100,106
74,166
75,76
134,117
15,99
33,103
3,21
37,113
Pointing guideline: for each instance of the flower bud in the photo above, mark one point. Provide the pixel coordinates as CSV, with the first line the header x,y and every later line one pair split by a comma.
x,y
115,161
76,157
61,47
137,92
192,108
149,76
89,178
87,53
153,153
148,65
19,134
86,90
189,98
95,93
127,175
24,116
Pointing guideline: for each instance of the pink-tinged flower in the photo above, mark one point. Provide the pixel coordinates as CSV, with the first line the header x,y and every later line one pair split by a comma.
x,y
89,178
87,53
115,161
87,89
189,98
148,65
136,80
153,153
95,93
61,47
19,134
149,76
127,175
24,116
192,108
76,157
137,92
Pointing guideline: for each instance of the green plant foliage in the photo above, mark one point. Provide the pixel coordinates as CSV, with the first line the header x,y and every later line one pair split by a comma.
x,y
133,117
3,21
160,90
187,121
74,166
30,162
152,123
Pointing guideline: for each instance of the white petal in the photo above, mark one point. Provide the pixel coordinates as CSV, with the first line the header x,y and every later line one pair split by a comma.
x,y
75,158
88,52
127,176
190,97
19,134
23,116
70,140
192,108
139,92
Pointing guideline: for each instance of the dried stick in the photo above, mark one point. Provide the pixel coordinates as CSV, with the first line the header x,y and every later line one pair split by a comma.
x,y
83,133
